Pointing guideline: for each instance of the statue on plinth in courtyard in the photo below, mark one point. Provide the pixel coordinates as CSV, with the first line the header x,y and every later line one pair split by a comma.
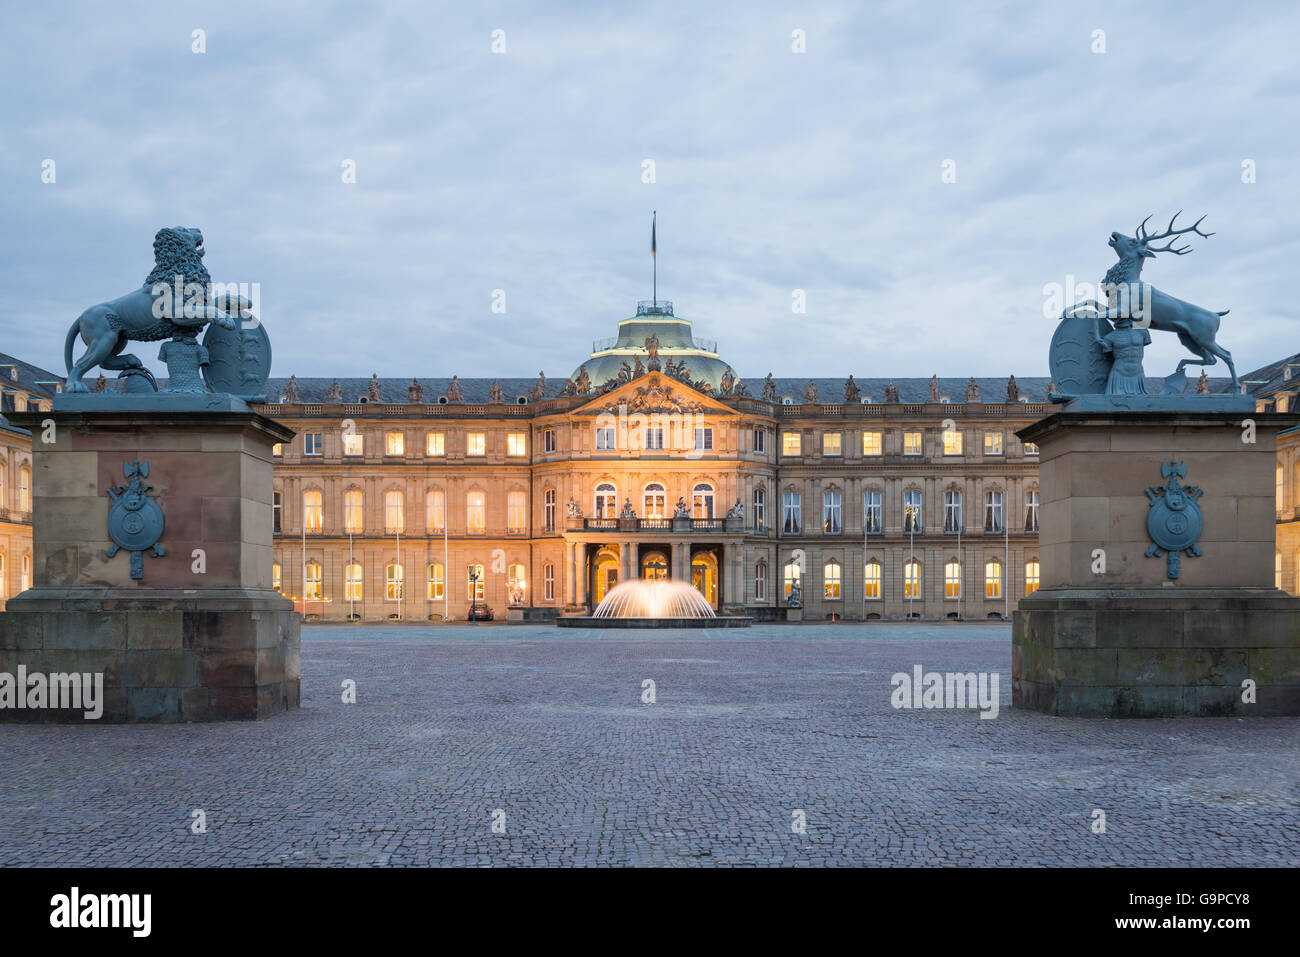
x,y
1078,359
1126,344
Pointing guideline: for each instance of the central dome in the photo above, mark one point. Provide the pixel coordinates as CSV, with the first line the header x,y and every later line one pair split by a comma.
x,y
654,320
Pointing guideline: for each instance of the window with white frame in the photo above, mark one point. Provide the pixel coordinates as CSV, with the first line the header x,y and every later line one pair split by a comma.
x,y
793,575
791,443
831,580
548,510
831,443
394,511
1031,510
313,512
992,443
952,580
702,501
277,578
352,581
435,583
474,583
475,512
952,442
654,438
703,439
993,511
760,509
394,443
871,573
832,523
312,590
516,512
548,440
791,513
516,443
912,579
873,443
277,513
353,511
911,443
435,444
760,440
435,511
760,580
548,582
1033,574
606,500
654,501
394,581
952,511
872,513
913,521
476,443
605,439
353,443
993,579
311,444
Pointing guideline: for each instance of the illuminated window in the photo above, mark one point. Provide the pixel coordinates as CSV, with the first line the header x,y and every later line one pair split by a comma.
x,y
311,444
474,582
760,509
516,443
760,581
277,449
476,443
605,439
276,578
952,511
912,580
394,511
1031,448
1031,510
352,581
606,500
791,519
1277,570
993,511
791,443
434,583
702,501
993,579
871,580
831,513
394,582
394,443
516,512
992,443
24,489
1281,488
352,511
871,513
913,521
313,578
435,511
476,513
434,444
911,443
548,510
313,512
516,580
873,443
353,443
952,580
831,581
654,501
952,442
1033,573
548,582
831,443
793,574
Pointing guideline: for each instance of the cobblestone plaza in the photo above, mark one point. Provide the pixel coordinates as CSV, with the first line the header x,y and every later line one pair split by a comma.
x,y
747,727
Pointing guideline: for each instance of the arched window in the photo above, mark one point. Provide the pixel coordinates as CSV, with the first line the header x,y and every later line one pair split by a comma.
x,y
352,581
1033,573
654,501
476,512
952,580
606,500
993,579
831,580
702,501
548,582
394,581
313,579
276,578
760,580
516,512
792,574
435,511
548,510
912,579
474,583
313,512
871,580
24,489
394,511
353,523
434,581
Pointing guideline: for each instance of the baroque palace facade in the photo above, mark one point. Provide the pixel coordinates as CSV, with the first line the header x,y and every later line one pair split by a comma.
x,y
866,499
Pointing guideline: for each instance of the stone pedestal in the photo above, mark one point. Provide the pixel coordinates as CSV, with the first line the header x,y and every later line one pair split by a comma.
x,y
200,635
1110,632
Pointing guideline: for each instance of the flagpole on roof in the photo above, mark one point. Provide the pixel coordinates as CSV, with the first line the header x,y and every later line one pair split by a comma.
x,y
654,262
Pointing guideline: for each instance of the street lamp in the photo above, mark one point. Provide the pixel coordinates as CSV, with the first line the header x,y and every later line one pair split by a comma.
x,y
473,597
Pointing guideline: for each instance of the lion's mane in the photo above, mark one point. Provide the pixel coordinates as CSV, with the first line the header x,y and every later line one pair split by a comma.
x,y
174,255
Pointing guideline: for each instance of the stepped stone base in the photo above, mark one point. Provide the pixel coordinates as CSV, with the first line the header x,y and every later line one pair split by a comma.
x,y
1157,652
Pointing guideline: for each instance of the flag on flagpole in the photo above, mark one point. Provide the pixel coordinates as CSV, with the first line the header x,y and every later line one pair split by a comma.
x,y
654,217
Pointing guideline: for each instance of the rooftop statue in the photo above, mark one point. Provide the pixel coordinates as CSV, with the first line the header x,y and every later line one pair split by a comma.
x,y
335,392
851,390
769,389
375,394
1082,362
176,301
539,390
972,390
415,392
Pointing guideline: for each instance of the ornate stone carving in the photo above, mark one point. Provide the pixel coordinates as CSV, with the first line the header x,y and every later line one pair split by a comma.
x,y
415,392
539,390
810,393
454,393
628,511
891,392
737,510
575,510
135,522
375,394
655,396
1173,517
769,389
335,393
972,390
495,395
681,509
851,391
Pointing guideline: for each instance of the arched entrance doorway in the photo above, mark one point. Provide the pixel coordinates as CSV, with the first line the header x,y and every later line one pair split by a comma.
x,y
604,572
654,565
704,575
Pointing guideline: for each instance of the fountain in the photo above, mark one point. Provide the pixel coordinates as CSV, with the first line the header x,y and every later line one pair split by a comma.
x,y
645,603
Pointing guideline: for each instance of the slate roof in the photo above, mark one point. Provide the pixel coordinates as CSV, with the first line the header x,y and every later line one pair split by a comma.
x,y
1269,379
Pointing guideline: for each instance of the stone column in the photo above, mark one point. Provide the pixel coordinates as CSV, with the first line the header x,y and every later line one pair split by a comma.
x,y
580,576
570,574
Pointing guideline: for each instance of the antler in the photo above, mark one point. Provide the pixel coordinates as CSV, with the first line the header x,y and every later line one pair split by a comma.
x,y
1170,231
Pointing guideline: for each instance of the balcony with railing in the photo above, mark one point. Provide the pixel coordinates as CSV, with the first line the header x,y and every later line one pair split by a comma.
x,y
660,524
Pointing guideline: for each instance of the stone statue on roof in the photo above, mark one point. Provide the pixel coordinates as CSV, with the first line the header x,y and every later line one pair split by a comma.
x,y
972,390
934,388
101,383
851,391
415,392
375,394
769,389
810,393
539,390
891,392
495,395
1202,384
1013,390
335,393
454,394
728,381
291,390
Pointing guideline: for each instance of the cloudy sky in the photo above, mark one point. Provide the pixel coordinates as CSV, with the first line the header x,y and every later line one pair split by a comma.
x,y
774,171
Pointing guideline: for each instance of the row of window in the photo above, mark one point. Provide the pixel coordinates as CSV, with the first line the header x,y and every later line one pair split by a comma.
x,y
873,443
913,514
872,578
24,580
24,488
395,581
435,444
435,512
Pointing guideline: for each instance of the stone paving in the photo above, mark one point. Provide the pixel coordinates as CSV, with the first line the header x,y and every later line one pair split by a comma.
x,y
547,725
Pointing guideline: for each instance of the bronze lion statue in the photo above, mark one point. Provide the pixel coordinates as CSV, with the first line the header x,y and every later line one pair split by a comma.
x,y
152,312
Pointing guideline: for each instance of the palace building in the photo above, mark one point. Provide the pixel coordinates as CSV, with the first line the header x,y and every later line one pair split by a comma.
x,y
862,499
